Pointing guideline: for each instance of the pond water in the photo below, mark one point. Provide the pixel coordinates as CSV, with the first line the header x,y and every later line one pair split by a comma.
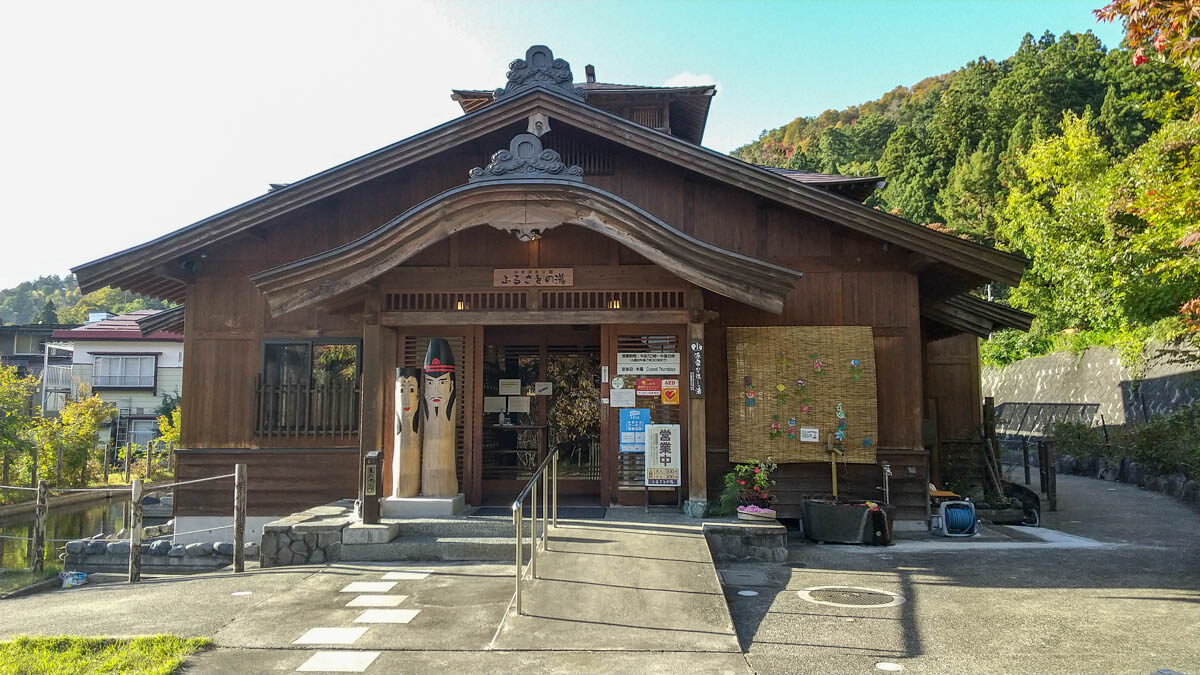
x,y
73,521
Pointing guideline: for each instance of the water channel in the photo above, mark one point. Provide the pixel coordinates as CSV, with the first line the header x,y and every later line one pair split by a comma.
x,y
72,521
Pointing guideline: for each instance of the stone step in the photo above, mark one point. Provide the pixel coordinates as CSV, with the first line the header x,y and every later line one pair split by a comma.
x,y
456,527
497,549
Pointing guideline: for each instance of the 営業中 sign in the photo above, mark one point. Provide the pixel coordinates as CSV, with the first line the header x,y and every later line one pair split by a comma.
x,y
662,455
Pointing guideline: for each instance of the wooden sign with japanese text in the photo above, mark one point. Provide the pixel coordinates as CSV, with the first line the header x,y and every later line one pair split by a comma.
x,y
540,276
695,368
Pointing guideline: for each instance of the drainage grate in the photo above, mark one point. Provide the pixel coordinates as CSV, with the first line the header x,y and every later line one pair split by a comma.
x,y
851,596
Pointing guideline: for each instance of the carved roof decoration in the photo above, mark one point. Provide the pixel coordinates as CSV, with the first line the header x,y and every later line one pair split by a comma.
x,y
526,159
539,68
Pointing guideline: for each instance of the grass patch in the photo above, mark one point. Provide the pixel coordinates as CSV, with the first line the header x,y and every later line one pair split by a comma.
x,y
158,654
11,580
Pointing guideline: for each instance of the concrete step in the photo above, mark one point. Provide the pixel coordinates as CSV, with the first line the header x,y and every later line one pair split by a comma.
x,y
499,549
456,527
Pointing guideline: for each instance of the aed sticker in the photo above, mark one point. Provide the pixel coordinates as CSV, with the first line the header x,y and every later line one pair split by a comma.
x,y
670,392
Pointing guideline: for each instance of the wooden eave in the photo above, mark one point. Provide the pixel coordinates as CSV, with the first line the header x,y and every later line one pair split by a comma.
x,y
969,314
168,320
123,269
345,268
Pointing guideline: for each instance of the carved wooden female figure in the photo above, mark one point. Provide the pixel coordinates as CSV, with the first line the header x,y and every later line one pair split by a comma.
x,y
406,458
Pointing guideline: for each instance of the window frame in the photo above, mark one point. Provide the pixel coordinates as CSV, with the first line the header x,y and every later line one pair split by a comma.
x,y
153,386
311,343
39,340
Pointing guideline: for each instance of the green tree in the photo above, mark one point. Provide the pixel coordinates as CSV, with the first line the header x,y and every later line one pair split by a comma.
x,y
16,418
67,441
48,315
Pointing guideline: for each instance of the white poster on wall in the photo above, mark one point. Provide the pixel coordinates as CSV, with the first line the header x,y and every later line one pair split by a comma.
x,y
647,363
623,398
662,455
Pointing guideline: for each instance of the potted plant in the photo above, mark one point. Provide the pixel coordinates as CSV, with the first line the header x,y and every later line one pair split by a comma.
x,y
749,490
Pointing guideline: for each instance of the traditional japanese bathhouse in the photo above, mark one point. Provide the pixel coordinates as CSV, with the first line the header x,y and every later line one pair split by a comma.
x,y
582,254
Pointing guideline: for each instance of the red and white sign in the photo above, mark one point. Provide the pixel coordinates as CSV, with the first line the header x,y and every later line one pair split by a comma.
x,y
670,392
649,386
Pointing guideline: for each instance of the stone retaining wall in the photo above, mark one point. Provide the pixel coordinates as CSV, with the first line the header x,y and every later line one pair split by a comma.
x,y
158,557
312,536
1127,471
730,542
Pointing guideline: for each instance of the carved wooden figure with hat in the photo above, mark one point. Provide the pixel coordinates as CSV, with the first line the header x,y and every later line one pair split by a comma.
x,y
438,408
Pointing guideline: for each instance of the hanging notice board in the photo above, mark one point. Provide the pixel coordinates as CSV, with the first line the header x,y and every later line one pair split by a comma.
x,y
792,386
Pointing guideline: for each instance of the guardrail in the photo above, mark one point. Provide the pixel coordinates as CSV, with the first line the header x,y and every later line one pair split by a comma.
x,y
549,480
41,509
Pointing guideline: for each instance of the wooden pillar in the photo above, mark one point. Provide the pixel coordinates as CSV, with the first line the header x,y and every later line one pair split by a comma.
x,y
39,525
239,518
697,445
135,531
369,435
693,379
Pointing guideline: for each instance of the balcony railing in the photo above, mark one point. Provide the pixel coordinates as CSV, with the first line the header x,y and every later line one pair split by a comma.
x,y
306,409
58,378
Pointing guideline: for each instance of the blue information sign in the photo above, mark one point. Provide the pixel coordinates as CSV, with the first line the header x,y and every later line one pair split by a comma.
x,y
633,429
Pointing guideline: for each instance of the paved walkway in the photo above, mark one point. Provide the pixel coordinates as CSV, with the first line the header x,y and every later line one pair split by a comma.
x,y
1118,590
611,596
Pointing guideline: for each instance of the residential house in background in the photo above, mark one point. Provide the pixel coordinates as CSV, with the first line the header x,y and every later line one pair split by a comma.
x,y
24,346
132,365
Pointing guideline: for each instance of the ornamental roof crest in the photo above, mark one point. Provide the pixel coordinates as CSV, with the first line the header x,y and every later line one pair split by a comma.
x,y
525,158
539,68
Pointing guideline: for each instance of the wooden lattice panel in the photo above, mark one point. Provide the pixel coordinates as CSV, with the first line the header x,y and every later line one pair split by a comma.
x,y
581,300
464,301
761,359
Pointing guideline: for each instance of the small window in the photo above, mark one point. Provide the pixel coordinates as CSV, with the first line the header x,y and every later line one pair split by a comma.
x,y
124,371
143,431
27,343
308,388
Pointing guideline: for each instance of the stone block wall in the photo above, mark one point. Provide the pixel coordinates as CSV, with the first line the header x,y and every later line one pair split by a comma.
x,y
733,541
312,536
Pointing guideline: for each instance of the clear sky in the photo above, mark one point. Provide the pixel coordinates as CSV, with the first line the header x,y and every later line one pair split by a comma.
x,y
121,121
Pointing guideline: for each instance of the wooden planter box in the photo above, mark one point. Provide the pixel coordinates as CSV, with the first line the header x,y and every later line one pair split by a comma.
x,y
843,522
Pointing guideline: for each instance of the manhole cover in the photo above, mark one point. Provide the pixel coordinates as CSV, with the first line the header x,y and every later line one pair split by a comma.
x,y
850,596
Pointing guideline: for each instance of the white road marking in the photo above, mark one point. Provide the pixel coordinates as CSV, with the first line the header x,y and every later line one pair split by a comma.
x,y
330,636
405,576
341,661
387,616
377,601
369,587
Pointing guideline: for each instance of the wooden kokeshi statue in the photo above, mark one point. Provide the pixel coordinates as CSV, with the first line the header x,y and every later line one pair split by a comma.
x,y
406,453
439,398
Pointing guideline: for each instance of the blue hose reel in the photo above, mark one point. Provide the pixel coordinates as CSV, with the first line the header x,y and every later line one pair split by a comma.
x,y
958,519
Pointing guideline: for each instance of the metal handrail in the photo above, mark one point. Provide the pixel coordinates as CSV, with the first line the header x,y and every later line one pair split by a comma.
x,y
549,517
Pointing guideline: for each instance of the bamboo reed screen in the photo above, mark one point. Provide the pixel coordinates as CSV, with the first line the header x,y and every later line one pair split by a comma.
x,y
776,390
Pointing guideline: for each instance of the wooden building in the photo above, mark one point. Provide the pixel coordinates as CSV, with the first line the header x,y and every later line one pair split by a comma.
x,y
548,233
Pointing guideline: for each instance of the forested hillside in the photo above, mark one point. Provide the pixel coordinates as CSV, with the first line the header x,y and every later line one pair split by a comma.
x,y
1082,158
53,297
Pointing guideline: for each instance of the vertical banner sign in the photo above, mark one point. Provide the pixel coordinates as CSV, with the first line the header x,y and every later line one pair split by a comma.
x,y
662,455
633,429
695,368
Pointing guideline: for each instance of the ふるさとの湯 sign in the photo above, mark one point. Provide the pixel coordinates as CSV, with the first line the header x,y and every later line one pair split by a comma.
x,y
543,276
662,455
647,363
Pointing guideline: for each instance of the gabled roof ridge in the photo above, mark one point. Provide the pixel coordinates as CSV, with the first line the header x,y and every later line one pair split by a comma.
x,y
846,212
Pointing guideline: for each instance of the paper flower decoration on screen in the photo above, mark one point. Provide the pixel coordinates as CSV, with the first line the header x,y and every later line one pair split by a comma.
x,y
781,394
775,431
792,428
866,441
856,369
840,434
818,365
749,391
785,361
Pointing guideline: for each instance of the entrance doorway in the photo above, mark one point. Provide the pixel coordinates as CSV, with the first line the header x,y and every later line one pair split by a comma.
x,y
541,391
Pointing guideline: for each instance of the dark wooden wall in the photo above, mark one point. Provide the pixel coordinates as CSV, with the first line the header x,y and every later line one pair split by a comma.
x,y
850,279
278,482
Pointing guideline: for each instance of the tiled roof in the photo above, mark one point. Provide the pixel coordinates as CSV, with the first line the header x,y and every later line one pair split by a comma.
x,y
122,327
